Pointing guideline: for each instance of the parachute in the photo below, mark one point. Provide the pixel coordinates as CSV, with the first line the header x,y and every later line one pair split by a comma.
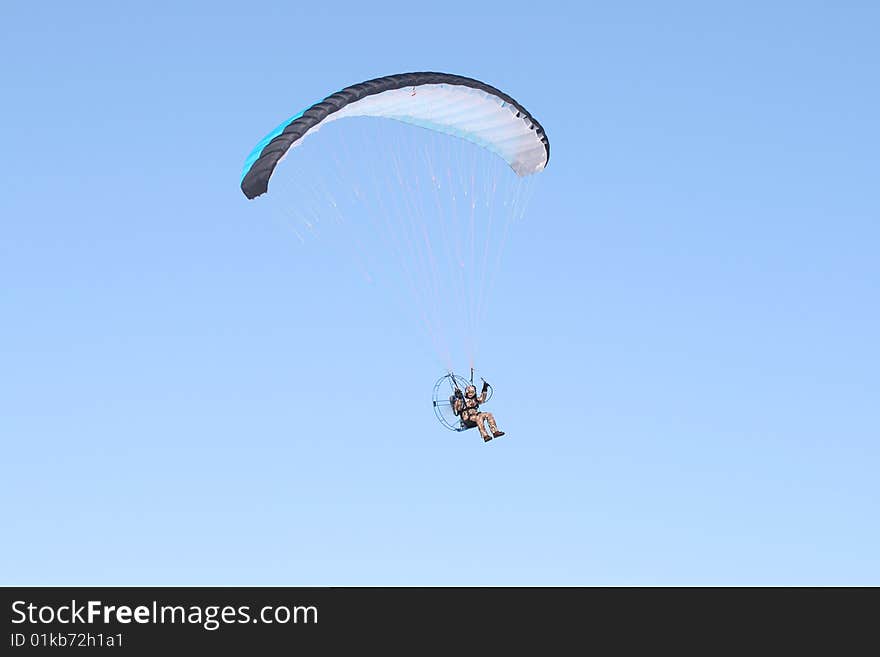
x,y
432,192
453,104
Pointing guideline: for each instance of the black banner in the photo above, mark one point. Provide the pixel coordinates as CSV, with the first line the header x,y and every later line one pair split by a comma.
x,y
327,620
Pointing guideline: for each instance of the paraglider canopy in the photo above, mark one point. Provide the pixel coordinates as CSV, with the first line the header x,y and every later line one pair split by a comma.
x,y
464,107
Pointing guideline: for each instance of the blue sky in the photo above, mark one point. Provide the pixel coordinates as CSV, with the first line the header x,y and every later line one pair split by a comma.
x,y
684,331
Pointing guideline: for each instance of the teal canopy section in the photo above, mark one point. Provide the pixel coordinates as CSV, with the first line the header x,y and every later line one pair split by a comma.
x,y
255,154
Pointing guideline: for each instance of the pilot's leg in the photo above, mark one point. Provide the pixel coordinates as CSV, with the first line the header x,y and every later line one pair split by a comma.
x,y
492,426
479,419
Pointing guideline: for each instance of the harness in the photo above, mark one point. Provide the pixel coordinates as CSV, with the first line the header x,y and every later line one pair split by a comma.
x,y
467,410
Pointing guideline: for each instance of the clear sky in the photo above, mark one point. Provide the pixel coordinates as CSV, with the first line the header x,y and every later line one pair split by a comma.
x,y
684,335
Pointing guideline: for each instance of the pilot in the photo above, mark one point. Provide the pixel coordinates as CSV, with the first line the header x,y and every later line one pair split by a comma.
x,y
467,407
